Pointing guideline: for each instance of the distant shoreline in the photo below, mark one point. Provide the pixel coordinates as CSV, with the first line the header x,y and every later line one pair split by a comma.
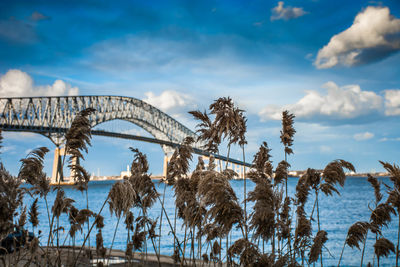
x,y
159,177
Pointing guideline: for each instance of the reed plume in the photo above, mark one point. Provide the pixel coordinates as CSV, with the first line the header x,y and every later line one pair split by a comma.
x,y
11,197
247,251
394,172
32,166
334,174
284,220
178,166
206,132
287,131
381,216
377,188
31,171
303,231
61,203
228,120
141,182
262,219
304,184
122,197
224,210
78,138
79,134
394,197
357,233
34,214
281,172
287,134
100,249
262,161
316,249
99,221
383,247
22,218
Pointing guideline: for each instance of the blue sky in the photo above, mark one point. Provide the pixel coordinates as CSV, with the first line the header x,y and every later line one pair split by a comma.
x,y
334,64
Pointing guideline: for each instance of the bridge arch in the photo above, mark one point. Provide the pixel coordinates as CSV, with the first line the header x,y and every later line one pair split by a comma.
x,y
54,113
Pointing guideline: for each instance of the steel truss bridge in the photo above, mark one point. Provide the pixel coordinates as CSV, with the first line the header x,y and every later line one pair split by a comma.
x,y
52,117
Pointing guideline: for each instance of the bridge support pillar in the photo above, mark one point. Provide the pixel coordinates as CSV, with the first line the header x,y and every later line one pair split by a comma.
x,y
57,173
165,166
74,161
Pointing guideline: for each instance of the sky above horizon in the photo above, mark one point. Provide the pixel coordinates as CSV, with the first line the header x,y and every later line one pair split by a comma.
x,y
334,64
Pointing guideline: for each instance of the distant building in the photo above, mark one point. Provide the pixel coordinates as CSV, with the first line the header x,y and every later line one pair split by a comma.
x,y
126,173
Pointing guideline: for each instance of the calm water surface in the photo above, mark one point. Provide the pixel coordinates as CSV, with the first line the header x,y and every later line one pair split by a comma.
x,y
337,214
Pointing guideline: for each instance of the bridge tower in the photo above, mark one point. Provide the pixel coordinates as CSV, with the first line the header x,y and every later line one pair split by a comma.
x,y
57,174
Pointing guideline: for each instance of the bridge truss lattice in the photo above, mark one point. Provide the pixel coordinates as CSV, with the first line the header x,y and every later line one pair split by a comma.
x,y
52,115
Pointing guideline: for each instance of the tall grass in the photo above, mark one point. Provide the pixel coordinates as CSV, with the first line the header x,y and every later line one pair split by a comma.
x,y
276,231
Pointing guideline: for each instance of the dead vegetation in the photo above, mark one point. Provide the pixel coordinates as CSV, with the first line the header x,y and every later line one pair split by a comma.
x,y
204,200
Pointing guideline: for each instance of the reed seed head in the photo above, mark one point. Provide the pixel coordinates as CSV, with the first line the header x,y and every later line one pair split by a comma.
x,y
357,234
383,247
34,213
316,248
287,132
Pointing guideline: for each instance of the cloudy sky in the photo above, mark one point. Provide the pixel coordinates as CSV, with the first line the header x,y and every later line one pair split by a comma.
x,y
334,64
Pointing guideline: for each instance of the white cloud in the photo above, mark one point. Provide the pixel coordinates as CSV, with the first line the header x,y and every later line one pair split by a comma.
x,y
171,102
345,102
392,102
21,135
325,149
374,35
363,136
7,149
19,83
286,13
385,139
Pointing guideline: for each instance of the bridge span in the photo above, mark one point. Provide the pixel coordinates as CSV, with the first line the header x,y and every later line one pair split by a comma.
x,y
52,117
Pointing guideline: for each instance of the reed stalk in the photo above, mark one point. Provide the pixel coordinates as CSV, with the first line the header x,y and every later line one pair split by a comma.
x,y
112,242
91,228
319,226
363,250
152,241
341,254
170,225
161,218
398,238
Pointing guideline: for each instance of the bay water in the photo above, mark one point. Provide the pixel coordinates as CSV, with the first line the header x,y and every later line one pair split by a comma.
x,y
337,214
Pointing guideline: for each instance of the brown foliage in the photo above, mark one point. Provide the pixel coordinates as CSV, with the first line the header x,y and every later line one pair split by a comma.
x,y
381,216
383,247
394,172
377,188
316,248
215,192
34,214
262,219
79,135
287,131
281,172
122,197
61,204
334,173
247,251
262,161
32,166
357,234
178,166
